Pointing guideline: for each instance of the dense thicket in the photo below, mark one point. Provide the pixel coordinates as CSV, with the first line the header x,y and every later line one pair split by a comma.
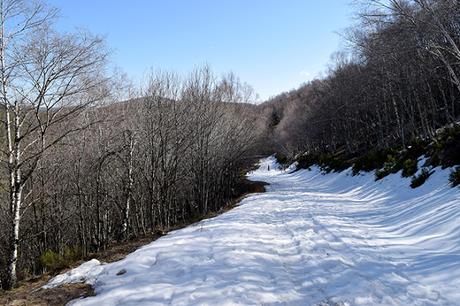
x,y
399,81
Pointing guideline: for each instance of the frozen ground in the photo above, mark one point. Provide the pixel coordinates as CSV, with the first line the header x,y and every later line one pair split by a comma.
x,y
311,239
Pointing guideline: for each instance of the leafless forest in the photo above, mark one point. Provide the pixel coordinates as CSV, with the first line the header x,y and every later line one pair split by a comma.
x,y
398,79
89,159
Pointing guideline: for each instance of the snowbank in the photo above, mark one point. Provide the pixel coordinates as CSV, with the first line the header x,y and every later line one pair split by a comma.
x,y
85,273
310,239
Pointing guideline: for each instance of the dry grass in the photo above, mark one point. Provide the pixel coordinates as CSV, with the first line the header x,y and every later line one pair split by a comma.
x,y
30,293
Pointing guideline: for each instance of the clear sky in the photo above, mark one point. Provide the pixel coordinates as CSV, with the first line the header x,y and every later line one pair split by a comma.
x,y
274,45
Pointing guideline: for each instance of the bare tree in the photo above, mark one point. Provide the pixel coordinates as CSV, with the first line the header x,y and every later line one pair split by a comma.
x,y
47,79
396,83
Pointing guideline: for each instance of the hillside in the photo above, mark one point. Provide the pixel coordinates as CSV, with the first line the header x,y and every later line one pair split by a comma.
x,y
311,239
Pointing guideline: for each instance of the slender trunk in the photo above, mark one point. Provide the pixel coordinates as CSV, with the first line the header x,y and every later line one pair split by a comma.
x,y
16,202
129,188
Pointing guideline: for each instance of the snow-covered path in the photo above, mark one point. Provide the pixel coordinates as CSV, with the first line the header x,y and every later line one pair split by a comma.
x,y
311,239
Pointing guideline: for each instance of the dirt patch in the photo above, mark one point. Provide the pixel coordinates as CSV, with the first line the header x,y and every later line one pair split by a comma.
x,y
119,251
30,293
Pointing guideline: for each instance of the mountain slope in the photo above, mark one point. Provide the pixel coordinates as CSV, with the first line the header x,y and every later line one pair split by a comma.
x,y
310,239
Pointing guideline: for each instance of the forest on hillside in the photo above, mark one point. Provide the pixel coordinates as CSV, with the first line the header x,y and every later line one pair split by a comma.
x,y
399,79
89,160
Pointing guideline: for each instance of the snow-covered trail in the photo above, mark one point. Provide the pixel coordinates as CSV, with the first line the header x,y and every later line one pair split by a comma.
x,y
311,239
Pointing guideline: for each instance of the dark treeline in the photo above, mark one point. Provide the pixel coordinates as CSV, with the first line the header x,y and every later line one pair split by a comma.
x,y
82,170
399,80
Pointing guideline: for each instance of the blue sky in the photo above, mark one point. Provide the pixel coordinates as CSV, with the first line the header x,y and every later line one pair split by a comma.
x,y
274,45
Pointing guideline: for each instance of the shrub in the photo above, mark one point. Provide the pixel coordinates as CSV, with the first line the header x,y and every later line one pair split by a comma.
x,y
416,149
419,180
454,177
305,161
409,167
53,261
371,161
390,166
405,160
282,159
72,254
327,162
330,162
443,151
380,174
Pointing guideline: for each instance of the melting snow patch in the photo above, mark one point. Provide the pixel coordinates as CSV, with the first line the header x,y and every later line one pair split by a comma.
x,y
85,273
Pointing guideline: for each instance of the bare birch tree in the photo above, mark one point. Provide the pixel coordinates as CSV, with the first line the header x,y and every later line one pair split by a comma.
x,y
47,78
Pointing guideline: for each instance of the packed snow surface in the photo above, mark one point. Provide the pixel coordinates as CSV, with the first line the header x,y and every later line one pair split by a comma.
x,y
311,239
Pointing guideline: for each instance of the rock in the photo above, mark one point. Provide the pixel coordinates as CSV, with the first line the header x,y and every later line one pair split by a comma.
x,y
121,272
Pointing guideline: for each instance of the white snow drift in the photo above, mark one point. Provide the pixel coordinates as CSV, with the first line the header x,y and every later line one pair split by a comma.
x,y
310,239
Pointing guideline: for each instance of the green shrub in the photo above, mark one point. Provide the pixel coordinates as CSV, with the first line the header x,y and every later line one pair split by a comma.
x,y
443,151
305,161
435,150
326,161
72,254
371,161
282,159
389,166
380,174
417,148
405,160
409,167
330,162
419,180
53,261
454,177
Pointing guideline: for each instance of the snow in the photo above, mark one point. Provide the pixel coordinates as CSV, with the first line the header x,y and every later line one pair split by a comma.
x,y
311,239
86,272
